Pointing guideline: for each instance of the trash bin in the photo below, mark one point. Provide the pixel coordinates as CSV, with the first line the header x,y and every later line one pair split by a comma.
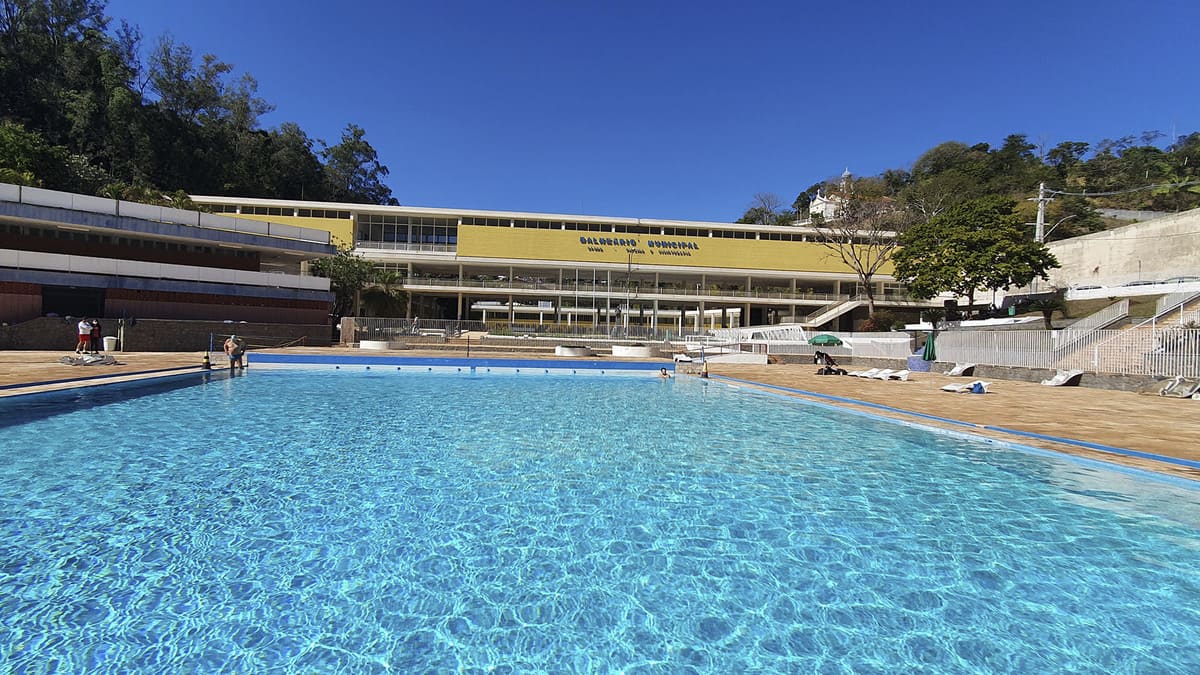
x,y
110,343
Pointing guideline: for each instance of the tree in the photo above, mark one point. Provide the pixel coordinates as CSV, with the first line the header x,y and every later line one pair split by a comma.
x,y
348,275
1049,305
864,235
382,298
972,246
765,208
353,172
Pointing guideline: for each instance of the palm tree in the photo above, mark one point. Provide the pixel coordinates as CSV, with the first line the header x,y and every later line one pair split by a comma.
x,y
381,298
1049,305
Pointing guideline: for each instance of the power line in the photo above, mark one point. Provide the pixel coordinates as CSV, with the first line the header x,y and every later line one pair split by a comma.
x,y
1121,192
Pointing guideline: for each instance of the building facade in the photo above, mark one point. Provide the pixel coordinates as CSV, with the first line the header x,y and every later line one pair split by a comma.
x,y
463,264
65,254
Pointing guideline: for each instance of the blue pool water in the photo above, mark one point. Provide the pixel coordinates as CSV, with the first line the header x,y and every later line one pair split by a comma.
x,y
330,522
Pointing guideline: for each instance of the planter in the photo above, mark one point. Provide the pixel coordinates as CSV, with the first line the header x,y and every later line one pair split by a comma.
x,y
632,351
573,350
380,344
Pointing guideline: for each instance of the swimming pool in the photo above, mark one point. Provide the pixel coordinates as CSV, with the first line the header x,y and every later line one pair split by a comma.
x,y
372,522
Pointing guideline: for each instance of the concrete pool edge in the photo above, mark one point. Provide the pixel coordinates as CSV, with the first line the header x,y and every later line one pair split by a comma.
x,y
265,361
966,429
64,384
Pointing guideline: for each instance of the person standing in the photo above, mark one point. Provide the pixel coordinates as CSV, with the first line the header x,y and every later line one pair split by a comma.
x,y
84,329
235,348
96,336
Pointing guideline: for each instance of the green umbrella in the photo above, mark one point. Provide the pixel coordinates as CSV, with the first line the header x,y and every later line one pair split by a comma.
x,y
825,340
930,353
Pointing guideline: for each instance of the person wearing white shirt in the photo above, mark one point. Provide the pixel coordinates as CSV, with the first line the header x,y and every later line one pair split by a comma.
x,y
85,336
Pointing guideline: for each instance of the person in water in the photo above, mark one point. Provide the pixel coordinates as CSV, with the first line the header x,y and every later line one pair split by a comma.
x,y
235,348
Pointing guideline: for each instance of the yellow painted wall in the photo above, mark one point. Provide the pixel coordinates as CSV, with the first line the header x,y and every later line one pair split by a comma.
x,y
788,256
341,232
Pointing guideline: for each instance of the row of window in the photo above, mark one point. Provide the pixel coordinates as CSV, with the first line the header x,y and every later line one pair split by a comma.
x,y
278,211
636,229
378,219
408,234
124,242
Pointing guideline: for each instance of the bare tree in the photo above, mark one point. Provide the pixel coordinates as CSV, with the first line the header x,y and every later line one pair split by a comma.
x,y
765,207
864,235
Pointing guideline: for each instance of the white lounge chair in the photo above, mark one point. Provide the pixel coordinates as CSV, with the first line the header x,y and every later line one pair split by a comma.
x,y
961,370
89,360
976,387
1064,378
865,373
880,374
900,375
1181,387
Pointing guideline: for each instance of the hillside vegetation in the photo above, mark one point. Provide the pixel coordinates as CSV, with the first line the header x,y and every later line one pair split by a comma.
x,y
1139,173
80,111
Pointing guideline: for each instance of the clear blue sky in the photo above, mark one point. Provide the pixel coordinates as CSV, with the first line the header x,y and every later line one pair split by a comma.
x,y
685,110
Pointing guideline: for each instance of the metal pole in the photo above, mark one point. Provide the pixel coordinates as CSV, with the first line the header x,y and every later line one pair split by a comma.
x,y
1039,234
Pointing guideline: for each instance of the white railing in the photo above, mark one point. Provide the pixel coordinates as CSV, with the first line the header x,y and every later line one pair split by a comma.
x,y
1133,351
1174,301
163,214
59,262
1082,329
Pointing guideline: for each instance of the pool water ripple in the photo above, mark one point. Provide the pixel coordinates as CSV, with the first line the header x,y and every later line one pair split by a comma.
x,y
302,522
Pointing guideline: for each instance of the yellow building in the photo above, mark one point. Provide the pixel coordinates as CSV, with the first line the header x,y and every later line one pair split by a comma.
x,y
598,270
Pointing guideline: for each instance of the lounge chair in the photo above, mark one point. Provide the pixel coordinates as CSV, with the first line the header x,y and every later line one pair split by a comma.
x,y
865,373
1181,387
1064,378
89,360
961,370
880,374
976,387
901,375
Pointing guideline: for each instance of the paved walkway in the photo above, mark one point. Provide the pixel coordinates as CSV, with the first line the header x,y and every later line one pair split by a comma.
x,y
1147,424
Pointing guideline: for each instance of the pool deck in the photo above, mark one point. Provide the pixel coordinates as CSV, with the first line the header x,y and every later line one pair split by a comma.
x,y
1143,424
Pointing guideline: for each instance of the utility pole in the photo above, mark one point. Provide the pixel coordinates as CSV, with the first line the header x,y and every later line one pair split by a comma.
x,y
1039,233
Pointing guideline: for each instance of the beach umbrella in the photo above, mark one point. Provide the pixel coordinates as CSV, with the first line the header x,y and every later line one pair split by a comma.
x,y
930,353
825,340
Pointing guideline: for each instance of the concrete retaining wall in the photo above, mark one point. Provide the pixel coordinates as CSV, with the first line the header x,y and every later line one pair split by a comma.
x,y
160,335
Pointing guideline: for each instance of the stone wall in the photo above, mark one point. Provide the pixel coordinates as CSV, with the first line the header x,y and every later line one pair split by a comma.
x,y
162,335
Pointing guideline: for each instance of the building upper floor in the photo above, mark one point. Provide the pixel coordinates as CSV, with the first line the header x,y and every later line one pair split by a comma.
x,y
392,234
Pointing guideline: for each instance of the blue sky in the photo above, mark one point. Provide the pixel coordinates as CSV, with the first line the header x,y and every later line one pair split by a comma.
x,y
685,110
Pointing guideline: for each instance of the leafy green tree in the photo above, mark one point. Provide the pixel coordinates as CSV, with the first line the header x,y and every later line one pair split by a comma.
x,y
353,172
972,246
348,275
292,169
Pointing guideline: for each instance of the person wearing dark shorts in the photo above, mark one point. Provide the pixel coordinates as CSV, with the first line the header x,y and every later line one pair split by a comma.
x,y
235,348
